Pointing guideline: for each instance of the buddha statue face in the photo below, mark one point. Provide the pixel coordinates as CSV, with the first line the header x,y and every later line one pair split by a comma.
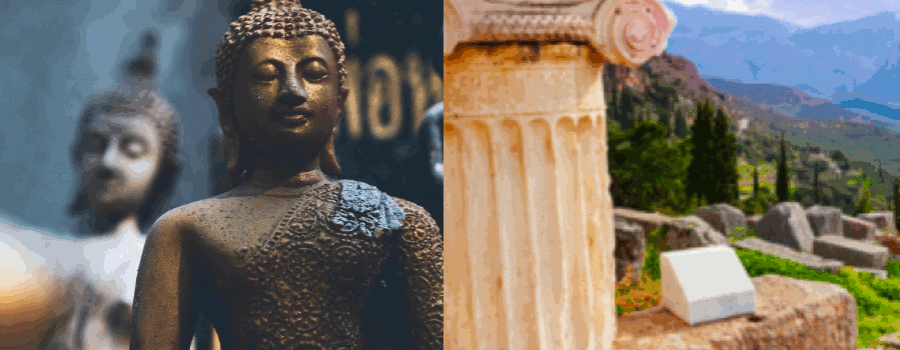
x,y
287,96
279,87
121,159
126,155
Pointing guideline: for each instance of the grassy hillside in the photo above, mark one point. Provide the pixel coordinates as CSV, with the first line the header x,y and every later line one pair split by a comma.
x,y
847,152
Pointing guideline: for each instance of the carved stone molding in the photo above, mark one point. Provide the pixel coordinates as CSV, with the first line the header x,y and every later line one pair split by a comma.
x,y
626,32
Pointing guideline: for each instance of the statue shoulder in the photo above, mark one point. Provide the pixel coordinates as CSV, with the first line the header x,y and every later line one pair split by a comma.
x,y
417,221
181,219
413,209
364,207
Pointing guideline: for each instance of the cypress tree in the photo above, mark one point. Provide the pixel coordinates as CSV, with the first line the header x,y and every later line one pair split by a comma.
x,y
755,181
880,172
725,174
896,201
781,183
681,128
699,169
816,183
668,120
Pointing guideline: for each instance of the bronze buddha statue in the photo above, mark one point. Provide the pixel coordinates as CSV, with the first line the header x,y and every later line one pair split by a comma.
x,y
289,258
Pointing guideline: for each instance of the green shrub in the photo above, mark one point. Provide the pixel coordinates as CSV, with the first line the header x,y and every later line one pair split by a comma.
x,y
655,243
893,268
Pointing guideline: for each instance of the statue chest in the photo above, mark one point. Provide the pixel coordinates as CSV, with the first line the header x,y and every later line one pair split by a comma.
x,y
309,279
306,245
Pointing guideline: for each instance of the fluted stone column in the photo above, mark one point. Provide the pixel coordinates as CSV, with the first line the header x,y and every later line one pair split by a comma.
x,y
529,231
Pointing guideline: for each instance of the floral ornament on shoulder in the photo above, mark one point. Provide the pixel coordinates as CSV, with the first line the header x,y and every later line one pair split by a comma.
x,y
364,208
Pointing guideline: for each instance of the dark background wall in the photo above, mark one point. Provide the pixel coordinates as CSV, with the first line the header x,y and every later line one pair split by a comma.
x,y
54,55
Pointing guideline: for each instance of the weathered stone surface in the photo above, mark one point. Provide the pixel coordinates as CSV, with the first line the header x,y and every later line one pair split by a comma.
x,y
786,224
851,252
692,232
722,217
892,340
883,220
554,97
825,221
791,314
812,261
892,243
649,222
858,228
630,250
753,221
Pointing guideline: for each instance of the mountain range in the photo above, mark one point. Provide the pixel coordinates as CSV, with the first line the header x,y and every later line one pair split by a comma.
x,y
853,64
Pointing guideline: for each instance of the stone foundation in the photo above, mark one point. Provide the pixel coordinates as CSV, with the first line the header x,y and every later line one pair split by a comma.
x,y
791,314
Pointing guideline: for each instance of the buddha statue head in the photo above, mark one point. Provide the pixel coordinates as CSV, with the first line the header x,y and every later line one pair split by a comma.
x,y
279,87
126,152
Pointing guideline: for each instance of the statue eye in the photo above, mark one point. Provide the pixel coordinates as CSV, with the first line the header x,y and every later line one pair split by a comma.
x,y
265,72
133,147
315,71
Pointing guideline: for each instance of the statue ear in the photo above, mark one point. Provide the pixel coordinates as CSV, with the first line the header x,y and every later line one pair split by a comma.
x,y
233,166
328,159
342,99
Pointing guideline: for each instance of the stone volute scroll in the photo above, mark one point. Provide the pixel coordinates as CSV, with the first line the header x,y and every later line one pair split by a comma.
x,y
626,32
526,189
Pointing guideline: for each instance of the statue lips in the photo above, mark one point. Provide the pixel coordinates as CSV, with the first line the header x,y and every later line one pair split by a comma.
x,y
293,117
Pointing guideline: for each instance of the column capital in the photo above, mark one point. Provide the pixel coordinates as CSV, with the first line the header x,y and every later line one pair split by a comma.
x,y
626,32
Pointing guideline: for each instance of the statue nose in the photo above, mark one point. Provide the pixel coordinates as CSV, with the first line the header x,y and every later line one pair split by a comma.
x,y
292,90
110,157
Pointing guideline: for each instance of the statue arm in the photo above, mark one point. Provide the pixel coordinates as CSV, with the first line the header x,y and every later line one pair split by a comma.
x,y
421,268
165,306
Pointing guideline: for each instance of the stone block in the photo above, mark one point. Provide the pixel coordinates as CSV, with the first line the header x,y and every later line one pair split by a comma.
x,y
786,224
649,222
753,221
825,221
812,261
705,284
722,217
851,252
879,274
892,340
883,220
630,250
692,232
858,228
790,314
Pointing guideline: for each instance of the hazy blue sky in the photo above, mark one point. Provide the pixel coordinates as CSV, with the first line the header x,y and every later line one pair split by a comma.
x,y
802,13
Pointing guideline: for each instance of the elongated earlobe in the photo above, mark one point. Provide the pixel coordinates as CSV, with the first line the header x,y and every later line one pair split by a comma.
x,y
328,159
233,162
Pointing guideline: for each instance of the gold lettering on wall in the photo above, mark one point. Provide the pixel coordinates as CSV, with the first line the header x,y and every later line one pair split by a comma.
x,y
383,90
351,23
376,87
436,85
417,89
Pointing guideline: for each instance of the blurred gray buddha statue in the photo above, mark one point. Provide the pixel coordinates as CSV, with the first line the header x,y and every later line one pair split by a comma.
x,y
126,154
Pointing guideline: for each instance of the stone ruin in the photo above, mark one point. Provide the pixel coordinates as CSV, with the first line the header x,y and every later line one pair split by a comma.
x,y
818,315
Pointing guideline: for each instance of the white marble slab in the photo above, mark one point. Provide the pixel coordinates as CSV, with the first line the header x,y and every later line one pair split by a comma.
x,y
706,284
